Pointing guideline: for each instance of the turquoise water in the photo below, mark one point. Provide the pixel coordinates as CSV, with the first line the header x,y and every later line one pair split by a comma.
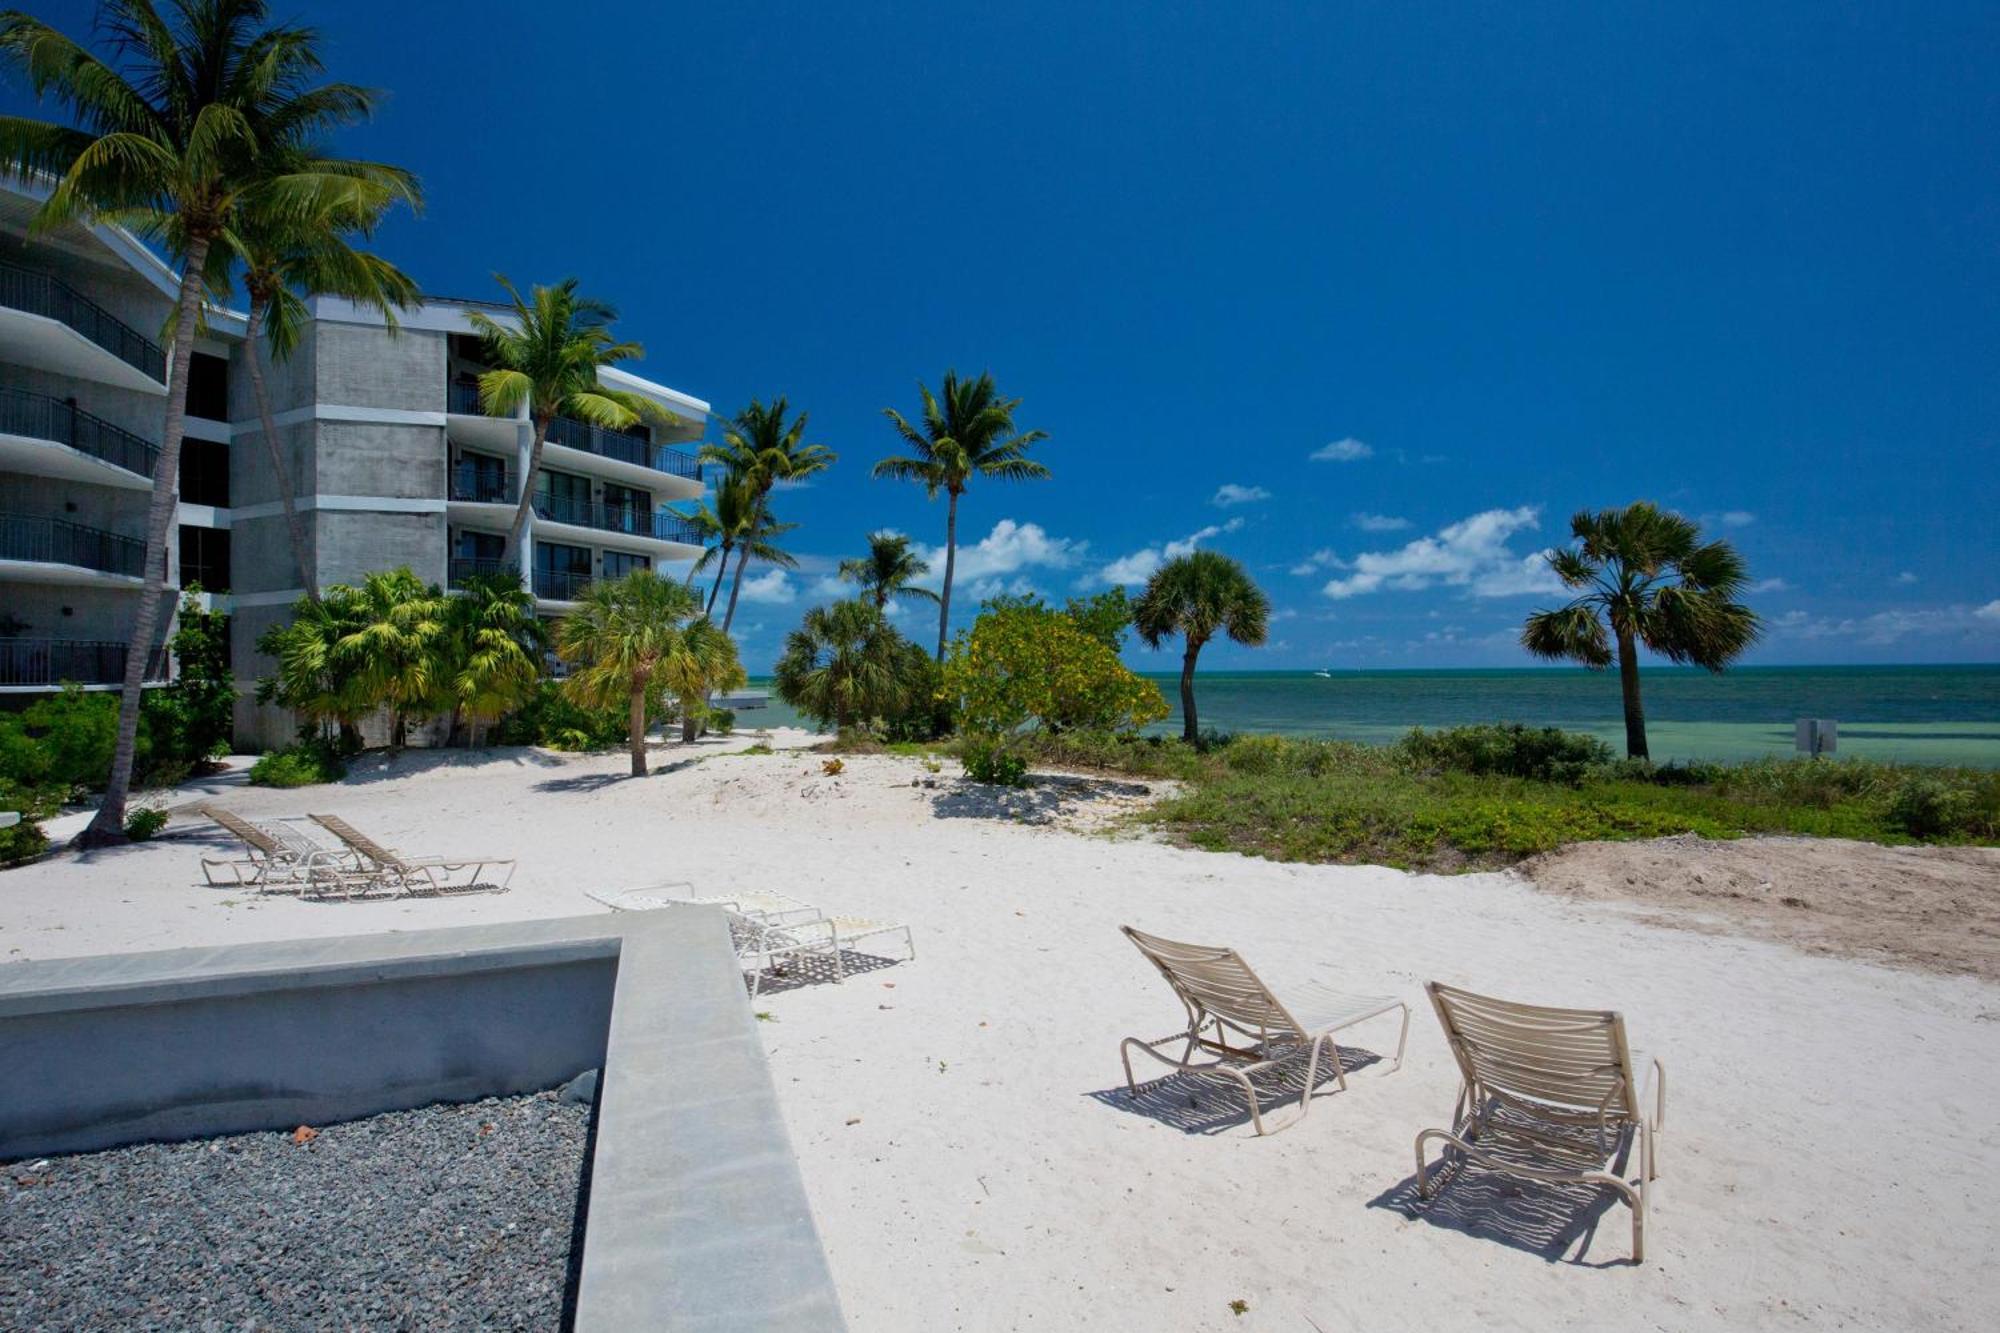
x,y
1936,715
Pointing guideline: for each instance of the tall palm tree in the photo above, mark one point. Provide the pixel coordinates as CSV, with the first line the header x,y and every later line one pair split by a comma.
x,y
722,525
843,664
967,431
548,359
187,114
761,448
1653,581
289,253
492,649
1198,596
398,652
890,569
702,662
758,541
620,635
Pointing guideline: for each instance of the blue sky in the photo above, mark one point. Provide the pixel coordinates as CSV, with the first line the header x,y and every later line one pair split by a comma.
x,y
1371,297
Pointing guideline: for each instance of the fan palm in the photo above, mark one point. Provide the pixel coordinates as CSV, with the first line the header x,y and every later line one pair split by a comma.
x,y
844,663
1198,596
1653,581
188,115
620,635
492,646
548,358
967,431
702,661
890,569
761,448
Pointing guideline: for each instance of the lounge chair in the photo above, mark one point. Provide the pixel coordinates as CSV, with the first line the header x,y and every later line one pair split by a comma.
x,y
281,859
1552,1089
385,868
764,946
1218,988
772,908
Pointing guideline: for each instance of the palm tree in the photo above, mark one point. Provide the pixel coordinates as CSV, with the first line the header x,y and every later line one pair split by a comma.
x,y
620,635
188,115
759,449
548,359
1198,596
758,542
493,650
1653,579
313,677
844,663
890,569
703,661
723,526
968,430
397,653
287,255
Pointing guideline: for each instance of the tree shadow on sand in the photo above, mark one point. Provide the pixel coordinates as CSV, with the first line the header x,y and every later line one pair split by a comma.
x,y
1208,1103
1046,798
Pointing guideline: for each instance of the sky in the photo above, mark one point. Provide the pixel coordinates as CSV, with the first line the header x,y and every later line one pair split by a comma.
x,y
1370,297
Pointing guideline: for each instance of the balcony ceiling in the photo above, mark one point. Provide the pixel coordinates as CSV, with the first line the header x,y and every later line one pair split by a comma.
x,y
45,344
41,571
46,458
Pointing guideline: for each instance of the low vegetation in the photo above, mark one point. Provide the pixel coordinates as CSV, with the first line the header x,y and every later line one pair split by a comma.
x,y
1476,797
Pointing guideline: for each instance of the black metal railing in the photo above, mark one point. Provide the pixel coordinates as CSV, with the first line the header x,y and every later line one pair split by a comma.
x,y
464,569
86,662
44,294
659,524
57,541
40,417
463,399
483,485
574,434
562,585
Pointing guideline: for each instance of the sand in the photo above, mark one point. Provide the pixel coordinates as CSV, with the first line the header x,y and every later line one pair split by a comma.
x,y
974,1162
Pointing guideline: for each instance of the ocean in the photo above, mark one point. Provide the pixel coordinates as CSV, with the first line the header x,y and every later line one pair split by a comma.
x,y
1918,714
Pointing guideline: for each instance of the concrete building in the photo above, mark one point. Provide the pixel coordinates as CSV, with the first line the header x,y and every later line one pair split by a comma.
x,y
391,459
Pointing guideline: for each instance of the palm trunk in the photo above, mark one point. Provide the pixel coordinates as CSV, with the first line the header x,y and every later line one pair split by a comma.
x,y
279,470
950,564
720,575
107,826
512,550
690,721
1190,729
735,589
637,722
1628,682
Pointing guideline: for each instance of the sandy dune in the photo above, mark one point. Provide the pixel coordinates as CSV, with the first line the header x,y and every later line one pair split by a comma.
x,y
1830,1156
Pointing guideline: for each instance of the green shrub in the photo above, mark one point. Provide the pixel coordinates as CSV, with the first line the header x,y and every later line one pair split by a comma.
x,y
306,763
191,720
987,760
1506,749
722,721
1929,807
143,821
26,841
550,718
76,732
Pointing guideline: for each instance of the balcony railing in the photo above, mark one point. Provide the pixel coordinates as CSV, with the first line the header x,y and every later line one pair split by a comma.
x,y
43,294
591,439
59,542
561,585
40,417
53,661
463,399
481,486
464,569
659,524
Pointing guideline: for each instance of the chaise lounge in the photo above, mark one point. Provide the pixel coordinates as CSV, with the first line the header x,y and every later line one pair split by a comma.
x,y
384,868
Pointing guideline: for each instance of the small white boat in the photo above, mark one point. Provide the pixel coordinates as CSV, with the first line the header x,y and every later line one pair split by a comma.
x,y
1324,675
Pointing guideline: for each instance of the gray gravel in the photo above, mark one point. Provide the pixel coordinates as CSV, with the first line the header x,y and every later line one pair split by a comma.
x,y
443,1217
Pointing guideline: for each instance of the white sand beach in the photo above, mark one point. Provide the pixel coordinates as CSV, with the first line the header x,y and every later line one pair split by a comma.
x,y
1830,1156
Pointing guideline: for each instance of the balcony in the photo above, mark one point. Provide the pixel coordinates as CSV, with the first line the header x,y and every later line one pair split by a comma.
x,y
660,525
91,342
561,585
469,484
464,569
568,433
463,399
47,663
70,546
36,417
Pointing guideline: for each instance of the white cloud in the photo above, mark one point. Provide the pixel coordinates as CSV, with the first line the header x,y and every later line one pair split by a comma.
x,y
1906,577
1229,493
1890,626
1141,564
1380,522
1736,518
1008,549
1323,558
771,588
1770,585
1471,553
1349,450
1990,611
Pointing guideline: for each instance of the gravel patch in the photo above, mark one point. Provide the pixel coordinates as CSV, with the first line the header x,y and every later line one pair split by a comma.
x,y
442,1217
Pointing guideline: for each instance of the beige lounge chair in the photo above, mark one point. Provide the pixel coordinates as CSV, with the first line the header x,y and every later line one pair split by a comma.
x,y
1554,1089
386,868
281,858
1220,991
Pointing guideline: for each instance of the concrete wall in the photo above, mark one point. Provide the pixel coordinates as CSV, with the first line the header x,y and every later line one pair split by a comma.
x,y
352,543
98,614
359,366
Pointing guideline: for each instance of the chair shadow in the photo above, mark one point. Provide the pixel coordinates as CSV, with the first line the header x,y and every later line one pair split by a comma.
x,y
816,969
1213,1103
1046,798
1557,1222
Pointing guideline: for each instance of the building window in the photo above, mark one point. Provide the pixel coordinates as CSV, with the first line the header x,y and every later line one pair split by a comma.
x,y
562,496
561,571
205,558
617,564
205,473
208,387
480,545
628,509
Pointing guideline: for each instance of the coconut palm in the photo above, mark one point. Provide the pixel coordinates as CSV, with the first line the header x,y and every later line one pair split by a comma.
x,y
844,663
398,653
967,431
289,254
1652,581
1198,596
492,647
723,526
702,662
759,541
759,449
890,569
186,115
620,635
548,358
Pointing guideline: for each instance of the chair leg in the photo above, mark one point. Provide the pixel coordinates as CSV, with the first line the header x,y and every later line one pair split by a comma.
x,y
1402,1041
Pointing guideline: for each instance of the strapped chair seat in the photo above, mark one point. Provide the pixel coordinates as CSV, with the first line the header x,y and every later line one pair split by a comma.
x,y
1549,1094
281,859
1234,1017
386,869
